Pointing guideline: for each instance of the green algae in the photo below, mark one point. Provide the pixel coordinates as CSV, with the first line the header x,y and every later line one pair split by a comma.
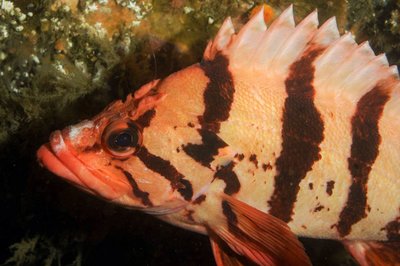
x,y
378,22
37,79
42,250
326,9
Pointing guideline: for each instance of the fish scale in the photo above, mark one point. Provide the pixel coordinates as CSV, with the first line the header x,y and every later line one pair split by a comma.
x,y
291,130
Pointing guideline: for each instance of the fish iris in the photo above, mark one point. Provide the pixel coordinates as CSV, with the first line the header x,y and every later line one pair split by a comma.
x,y
121,138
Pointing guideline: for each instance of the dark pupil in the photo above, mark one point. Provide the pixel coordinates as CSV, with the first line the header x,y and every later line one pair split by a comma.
x,y
122,140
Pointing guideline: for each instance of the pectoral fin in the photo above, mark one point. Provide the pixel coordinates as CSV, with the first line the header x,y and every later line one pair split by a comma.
x,y
373,253
258,236
225,256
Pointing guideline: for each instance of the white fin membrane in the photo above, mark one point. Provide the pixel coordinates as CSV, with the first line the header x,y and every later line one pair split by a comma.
x,y
343,67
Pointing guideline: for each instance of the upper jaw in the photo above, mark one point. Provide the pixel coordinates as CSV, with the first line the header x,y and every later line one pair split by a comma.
x,y
58,158
48,159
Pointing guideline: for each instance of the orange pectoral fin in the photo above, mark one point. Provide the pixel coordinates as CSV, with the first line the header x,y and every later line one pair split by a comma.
x,y
368,253
260,237
225,256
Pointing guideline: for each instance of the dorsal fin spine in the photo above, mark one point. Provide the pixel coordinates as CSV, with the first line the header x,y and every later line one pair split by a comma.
x,y
227,31
394,70
296,43
337,48
358,57
247,39
221,41
273,39
327,33
383,60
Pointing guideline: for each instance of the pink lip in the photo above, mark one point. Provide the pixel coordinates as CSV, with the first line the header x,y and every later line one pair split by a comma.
x,y
47,158
57,157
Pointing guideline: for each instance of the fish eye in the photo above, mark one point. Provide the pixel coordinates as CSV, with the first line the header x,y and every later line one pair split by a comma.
x,y
121,138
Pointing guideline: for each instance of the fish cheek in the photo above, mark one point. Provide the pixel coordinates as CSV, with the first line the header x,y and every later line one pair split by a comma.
x,y
144,181
94,156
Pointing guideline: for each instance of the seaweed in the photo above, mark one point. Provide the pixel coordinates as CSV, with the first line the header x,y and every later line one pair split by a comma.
x,y
379,23
41,250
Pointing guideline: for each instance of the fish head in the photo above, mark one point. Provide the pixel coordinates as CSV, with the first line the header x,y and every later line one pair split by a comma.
x,y
105,156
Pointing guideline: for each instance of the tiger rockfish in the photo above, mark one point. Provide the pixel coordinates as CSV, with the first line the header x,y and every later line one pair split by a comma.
x,y
277,133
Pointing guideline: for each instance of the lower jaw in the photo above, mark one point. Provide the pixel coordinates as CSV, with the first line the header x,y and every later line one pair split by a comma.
x,y
57,157
49,160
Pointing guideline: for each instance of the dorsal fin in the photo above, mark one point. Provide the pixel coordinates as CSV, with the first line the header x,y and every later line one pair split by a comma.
x,y
327,33
273,39
296,43
221,40
274,49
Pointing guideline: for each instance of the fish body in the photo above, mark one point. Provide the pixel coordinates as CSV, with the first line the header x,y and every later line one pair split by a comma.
x,y
290,130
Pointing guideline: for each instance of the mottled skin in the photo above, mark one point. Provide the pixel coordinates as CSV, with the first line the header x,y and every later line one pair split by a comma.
x,y
304,132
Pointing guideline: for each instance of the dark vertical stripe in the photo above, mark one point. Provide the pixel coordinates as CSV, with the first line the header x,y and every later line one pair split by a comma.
x,y
199,199
229,214
232,186
167,170
145,119
364,150
302,132
218,98
393,230
230,178
204,153
142,195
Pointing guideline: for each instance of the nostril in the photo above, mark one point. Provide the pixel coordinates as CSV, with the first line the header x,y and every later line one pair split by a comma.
x,y
55,136
56,141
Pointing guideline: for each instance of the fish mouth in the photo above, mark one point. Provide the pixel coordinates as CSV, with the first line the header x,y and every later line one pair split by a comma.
x,y
58,158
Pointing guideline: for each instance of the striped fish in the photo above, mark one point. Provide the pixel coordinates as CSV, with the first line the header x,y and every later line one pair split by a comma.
x,y
280,132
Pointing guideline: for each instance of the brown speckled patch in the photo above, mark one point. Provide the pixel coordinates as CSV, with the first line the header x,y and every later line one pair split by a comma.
x,y
230,178
329,187
253,159
318,208
145,119
393,230
266,166
239,156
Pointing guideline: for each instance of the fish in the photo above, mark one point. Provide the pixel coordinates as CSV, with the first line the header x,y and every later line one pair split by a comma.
x,y
279,132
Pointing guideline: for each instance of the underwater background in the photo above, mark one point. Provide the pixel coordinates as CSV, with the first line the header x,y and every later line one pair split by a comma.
x,y
62,61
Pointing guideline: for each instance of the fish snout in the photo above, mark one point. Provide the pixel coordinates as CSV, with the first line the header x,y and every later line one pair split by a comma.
x,y
47,157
